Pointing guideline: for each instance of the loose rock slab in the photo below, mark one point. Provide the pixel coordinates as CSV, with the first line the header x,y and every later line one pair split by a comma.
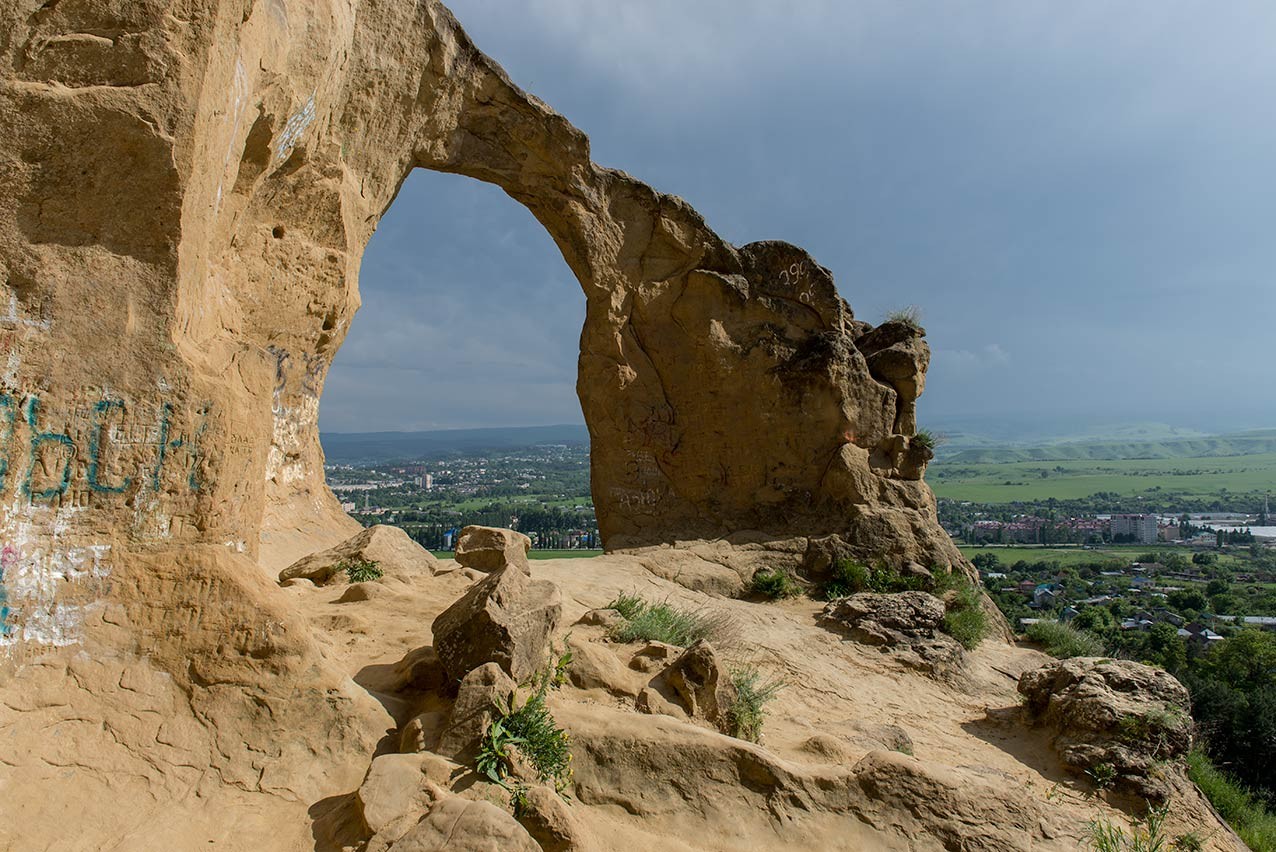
x,y
492,548
507,618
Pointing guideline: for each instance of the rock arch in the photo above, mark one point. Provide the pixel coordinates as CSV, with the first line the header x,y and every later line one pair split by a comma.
x,y
187,191
185,213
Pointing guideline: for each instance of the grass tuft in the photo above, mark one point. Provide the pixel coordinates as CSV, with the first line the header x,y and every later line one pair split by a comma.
x,y
752,694
1063,640
662,622
775,585
910,315
965,619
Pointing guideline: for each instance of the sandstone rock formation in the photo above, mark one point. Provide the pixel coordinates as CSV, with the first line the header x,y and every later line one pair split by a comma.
x,y
389,548
1123,722
490,548
186,190
507,618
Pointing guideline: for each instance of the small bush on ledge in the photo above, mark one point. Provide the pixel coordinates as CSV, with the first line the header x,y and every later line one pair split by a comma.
x,y
360,570
965,619
1063,640
775,585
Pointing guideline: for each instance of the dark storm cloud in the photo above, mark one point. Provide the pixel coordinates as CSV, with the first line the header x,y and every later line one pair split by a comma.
x,y
1078,194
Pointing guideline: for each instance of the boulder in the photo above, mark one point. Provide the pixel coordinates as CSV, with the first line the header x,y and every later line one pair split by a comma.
x,y
397,789
1113,713
608,619
654,657
550,822
483,693
389,547
455,824
422,731
905,624
489,549
506,618
594,666
698,682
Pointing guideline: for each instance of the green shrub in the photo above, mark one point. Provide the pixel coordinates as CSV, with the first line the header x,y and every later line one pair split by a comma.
x,y
531,730
775,585
965,619
849,577
360,570
1104,775
1063,640
1244,812
752,694
644,621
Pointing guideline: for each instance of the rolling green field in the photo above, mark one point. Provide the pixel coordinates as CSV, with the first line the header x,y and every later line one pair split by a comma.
x,y
1039,480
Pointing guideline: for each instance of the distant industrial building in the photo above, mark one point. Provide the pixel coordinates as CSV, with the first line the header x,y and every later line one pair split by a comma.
x,y
1138,528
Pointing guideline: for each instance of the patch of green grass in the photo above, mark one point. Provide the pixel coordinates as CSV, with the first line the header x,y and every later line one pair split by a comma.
x,y
1103,775
964,619
850,576
752,694
1063,640
983,482
775,585
360,570
645,621
1244,811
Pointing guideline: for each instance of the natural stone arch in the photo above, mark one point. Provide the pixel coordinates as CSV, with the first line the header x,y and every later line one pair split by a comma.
x,y
183,212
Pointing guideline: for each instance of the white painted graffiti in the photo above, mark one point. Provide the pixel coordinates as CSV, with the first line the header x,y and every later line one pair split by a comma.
x,y
295,128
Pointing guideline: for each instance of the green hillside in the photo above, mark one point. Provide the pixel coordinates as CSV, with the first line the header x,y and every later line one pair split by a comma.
x,y
1240,444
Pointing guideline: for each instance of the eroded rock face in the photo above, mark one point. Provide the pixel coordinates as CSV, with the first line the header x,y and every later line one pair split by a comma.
x,y
1120,721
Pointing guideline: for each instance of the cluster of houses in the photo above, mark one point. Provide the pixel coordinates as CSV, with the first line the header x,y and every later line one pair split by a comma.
x,y
1144,579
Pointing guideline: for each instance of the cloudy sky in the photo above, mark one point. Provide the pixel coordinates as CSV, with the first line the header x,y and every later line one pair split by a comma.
x,y
1080,195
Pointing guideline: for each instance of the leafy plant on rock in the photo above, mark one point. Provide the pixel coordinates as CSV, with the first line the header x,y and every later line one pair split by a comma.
x,y
360,570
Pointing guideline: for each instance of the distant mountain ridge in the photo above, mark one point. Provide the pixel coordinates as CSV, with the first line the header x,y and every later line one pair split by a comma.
x,y
348,447
1238,444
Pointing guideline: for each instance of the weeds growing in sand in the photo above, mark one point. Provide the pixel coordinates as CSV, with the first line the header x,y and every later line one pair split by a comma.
x,y
360,570
752,694
644,621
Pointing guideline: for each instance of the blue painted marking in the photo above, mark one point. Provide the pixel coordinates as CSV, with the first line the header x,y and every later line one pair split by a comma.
x,y
100,411
38,440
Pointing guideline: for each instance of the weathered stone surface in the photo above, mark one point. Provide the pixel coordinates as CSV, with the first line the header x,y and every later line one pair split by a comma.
x,y
1131,717
907,624
454,824
422,732
594,666
696,684
550,822
490,548
389,547
483,693
506,618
